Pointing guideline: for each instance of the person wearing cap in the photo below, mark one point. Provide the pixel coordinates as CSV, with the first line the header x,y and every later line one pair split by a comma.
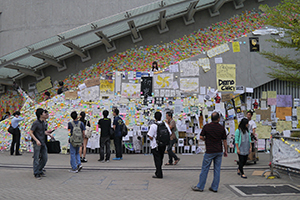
x,y
17,133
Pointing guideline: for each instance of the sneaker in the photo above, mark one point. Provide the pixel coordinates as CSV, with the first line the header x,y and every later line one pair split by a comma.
x,y
116,159
210,189
79,168
43,170
195,188
84,160
38,177
121,158
107,161
43,174
73,171
101,160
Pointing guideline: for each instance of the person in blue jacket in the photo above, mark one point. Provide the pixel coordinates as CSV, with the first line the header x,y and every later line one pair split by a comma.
x,y
242,145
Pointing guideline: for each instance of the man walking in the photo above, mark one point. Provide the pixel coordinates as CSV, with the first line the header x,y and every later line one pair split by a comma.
x,y
213,134
172,124
158,147
37,133
117,125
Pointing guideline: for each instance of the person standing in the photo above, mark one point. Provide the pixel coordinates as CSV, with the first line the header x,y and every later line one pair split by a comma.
x,y
6,116
105,125
213,134
75,160
47,96
243,145
155,66
37,133
117,126
252,130
172,125
61,88
156,149
16,134
82,149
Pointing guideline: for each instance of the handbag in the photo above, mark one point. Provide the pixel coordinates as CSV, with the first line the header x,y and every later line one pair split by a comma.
x,y
11,130
88,132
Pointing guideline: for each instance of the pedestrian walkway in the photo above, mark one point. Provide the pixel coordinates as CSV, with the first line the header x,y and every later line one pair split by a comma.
x,y
130,178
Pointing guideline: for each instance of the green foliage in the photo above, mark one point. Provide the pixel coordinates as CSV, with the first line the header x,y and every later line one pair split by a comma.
x,y
285,16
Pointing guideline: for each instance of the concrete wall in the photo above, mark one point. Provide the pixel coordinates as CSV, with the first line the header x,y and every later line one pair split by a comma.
x,y
29,21
251,63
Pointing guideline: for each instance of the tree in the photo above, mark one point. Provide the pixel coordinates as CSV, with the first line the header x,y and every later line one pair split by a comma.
x,y
285,17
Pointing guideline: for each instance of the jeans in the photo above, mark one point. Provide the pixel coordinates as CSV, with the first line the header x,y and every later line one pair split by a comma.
x,y
104,141
40,158
170,152
207,159
15,141
118,146
242,162
74,157
158,156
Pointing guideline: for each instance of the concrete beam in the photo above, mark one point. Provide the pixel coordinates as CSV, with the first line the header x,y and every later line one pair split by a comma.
x,y
214,10
110,45
24,70
6,81
2,89
77,50
51,61
189,17
135,35
238,4
162,26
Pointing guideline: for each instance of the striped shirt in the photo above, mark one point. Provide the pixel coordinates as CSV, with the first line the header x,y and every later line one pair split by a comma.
x,y
213,133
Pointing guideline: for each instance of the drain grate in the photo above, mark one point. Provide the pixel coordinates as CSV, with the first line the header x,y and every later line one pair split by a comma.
x,y
265,190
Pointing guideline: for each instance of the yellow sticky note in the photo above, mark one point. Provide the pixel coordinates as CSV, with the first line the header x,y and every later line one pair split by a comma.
x,y
236,47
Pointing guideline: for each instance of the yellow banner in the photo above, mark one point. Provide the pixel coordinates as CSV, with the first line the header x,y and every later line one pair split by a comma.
x,y
44,84
226,80
107,87
236,47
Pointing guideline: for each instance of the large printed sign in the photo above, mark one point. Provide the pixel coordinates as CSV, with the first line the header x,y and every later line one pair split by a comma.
x,y
226,77
107,87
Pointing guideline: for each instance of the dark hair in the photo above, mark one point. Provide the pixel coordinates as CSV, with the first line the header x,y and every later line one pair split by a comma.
x,y
47,94
16,113
61,83
170,114
105,113
156,67
215,116
157,116
39,112
242,125
74,115
116,110
82,116
8,113
251,112
46,111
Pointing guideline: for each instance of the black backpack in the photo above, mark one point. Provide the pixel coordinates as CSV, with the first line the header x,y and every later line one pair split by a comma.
x,y
124,129
163,134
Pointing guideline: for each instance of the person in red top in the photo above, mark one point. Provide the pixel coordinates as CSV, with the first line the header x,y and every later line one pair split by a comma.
x,y
214,135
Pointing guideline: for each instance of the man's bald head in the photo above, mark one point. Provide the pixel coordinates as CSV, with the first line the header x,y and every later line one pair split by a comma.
x,y
215,117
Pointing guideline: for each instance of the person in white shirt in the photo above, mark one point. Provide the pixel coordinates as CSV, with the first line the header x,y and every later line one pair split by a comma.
x,y
155,66
157,150
17,134
252,128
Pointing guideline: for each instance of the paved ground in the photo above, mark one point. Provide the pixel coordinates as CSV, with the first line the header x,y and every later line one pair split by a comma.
x,y
130,178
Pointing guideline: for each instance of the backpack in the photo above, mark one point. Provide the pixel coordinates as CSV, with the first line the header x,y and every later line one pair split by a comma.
x,y
163,134
76,138
124,129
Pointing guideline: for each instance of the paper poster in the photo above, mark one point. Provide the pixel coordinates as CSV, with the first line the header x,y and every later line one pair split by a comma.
x,y
146,86
272,101
44,84
236,47
204,63
264,114
107,87
281,112
254,44
272,94
189,68
239,89
264,95
219,60
218,50
173,68
263,132
202,90
189,85
71,94
92,82
226,77
91,93
163,80
118,81
131,90
283,125
284,101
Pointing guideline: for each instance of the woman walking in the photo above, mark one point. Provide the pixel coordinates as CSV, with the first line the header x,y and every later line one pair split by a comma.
x,y
242,143
82,149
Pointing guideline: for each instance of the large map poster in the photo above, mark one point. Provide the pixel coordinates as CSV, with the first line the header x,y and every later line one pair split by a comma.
x,y
131,90
226,79
107,87
163,80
